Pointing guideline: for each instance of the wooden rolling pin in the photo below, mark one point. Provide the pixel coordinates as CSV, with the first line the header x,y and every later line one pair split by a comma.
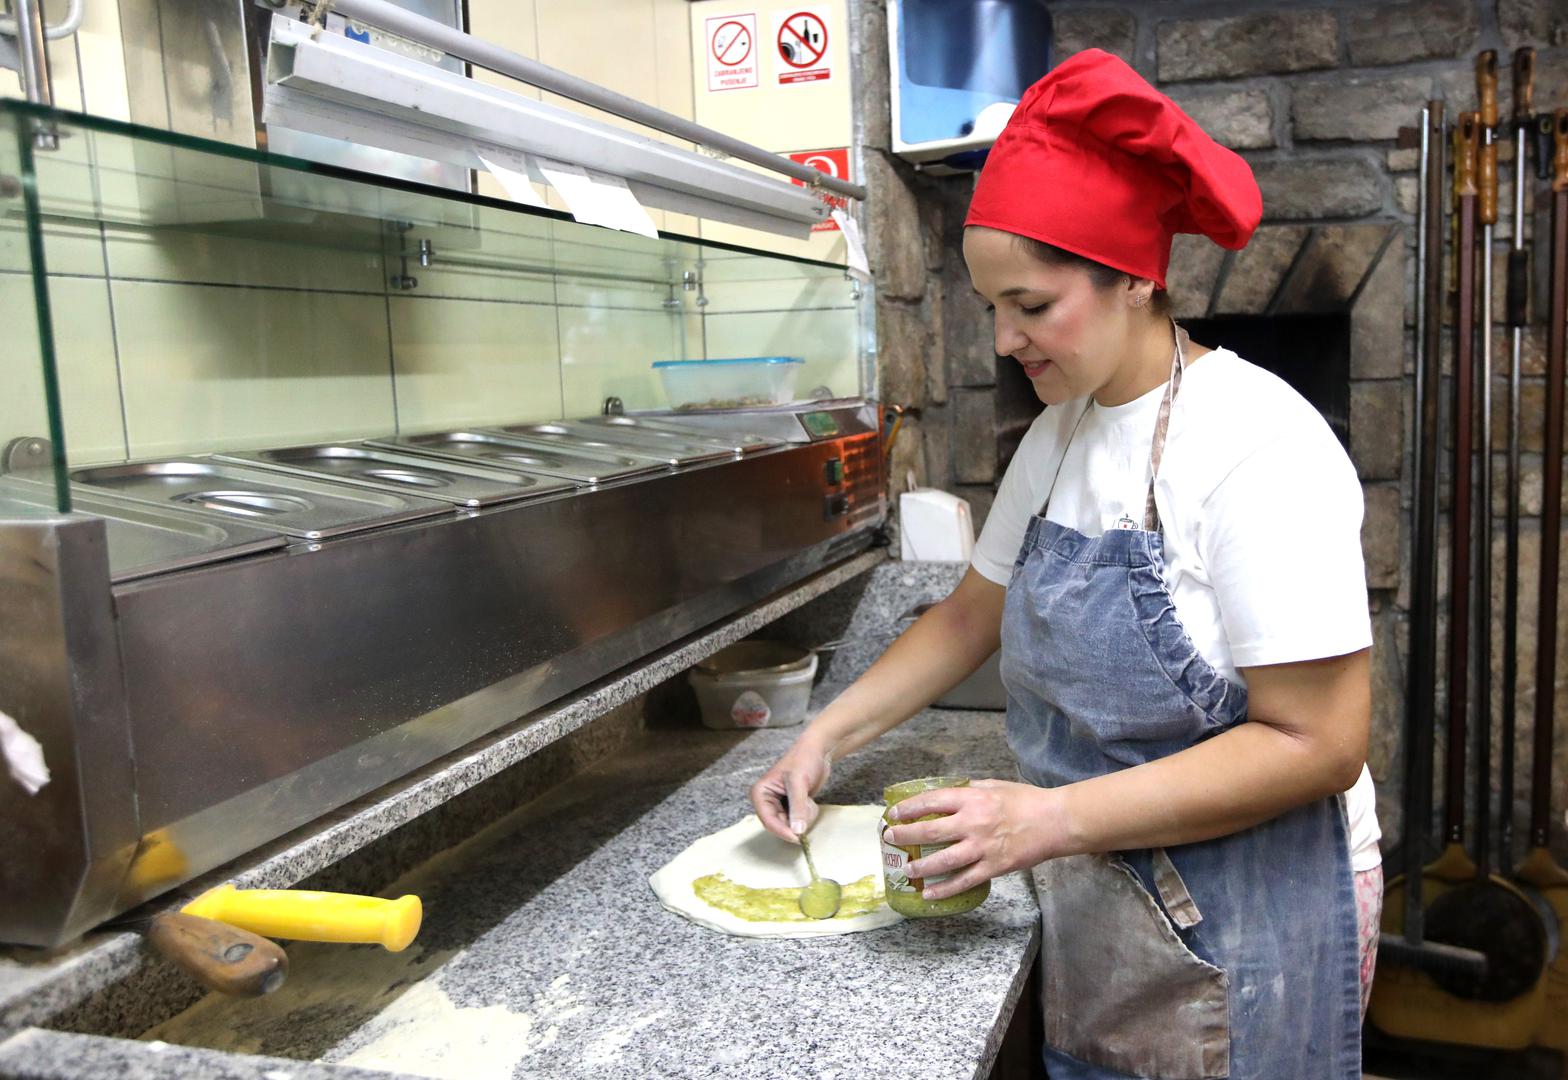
x,y
221,957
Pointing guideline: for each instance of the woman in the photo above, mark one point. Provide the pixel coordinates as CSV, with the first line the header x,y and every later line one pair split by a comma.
x,y
1173,572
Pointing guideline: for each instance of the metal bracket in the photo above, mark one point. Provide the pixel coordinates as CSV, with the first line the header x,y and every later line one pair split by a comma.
x,y
26,453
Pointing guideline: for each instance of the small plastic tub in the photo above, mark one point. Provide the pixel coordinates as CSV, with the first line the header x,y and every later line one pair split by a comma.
x,y
741,383
755,684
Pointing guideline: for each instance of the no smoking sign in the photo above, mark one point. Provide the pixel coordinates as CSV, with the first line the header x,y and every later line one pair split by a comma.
x,y
732,52
803,46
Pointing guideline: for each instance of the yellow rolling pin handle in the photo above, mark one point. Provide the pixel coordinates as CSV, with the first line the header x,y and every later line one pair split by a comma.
x,y
301,915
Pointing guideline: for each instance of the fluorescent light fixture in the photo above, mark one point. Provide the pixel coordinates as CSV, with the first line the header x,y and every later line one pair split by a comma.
x,y
346,89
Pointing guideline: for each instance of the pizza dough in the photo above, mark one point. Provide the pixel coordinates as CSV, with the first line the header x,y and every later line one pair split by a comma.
x,y
845,842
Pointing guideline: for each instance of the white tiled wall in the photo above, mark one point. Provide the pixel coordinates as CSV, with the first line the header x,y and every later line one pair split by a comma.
x,y
250,332
466,362
197,341
89,386
223,368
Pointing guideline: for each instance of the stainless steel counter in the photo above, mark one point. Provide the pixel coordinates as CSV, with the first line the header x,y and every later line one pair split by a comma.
x,y
256,694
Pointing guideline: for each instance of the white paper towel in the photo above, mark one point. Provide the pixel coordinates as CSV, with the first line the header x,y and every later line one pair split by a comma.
x,y
24,757
511,171
598,199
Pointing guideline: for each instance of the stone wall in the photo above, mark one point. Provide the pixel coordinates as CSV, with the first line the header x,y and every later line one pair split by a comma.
x,y
1313,95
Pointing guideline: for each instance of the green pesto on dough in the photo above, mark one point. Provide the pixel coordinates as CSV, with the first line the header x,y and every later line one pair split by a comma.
x,y
820,899
783,905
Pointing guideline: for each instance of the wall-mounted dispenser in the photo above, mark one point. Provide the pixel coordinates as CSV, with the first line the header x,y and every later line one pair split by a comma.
x,y
957,71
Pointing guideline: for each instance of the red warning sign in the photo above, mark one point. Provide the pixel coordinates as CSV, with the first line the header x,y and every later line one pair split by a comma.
x,y
802,42
834,163
732,52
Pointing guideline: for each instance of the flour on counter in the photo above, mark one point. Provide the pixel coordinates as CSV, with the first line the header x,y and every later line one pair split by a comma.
x,y
424,1034
606,1049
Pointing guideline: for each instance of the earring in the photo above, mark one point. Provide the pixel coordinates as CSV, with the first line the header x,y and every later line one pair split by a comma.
x,y
1140,300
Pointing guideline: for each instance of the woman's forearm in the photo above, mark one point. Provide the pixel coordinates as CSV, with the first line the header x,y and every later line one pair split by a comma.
x,y
1231,782
1240,778
1305,739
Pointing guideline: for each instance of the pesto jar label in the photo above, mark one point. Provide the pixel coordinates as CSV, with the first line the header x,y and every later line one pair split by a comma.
x,y
895,867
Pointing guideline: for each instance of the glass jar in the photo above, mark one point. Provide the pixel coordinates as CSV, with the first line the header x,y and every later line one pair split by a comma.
x,y
903,892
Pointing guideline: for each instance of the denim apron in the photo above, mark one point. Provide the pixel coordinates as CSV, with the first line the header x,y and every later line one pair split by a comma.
x,y
1234,957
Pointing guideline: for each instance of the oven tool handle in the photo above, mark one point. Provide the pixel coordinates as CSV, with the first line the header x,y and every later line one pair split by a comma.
x,y
221,957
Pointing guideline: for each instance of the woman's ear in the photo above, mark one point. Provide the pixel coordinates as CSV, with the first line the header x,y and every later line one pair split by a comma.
x,y
1140,291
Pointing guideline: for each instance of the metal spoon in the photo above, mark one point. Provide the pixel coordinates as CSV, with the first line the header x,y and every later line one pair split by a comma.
x,y
820,899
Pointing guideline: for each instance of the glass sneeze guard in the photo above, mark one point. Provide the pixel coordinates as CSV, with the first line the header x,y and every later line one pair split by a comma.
x,y
165,295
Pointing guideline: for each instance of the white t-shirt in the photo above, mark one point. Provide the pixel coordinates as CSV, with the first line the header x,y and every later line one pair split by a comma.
x,y
1261,510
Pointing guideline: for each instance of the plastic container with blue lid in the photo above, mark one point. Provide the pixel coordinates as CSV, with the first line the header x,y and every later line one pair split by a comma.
x,y
739,383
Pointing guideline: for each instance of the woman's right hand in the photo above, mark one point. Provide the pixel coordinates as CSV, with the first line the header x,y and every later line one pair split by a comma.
x,y
782,797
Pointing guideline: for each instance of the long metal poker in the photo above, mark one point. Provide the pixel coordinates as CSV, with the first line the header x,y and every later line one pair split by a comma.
x,y
1461,566
1422,693
1486,181
1518,311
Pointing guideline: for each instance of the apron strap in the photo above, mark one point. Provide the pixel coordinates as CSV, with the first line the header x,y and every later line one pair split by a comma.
x,y
1151,516
1178,902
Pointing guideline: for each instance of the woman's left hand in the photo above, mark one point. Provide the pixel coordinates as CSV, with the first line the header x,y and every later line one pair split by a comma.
x,y
994,827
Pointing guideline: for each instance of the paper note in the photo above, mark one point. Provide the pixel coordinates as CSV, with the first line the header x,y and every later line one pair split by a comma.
x,y
510,170
857,247
24,756
597,199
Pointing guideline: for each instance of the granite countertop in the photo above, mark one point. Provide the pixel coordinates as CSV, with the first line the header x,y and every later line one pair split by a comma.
x,y
545,953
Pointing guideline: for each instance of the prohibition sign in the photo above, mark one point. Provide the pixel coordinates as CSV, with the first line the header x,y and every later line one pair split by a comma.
x,y
803,39
732,43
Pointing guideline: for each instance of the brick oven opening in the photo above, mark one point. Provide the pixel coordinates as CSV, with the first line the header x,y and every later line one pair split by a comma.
x,y
1311,352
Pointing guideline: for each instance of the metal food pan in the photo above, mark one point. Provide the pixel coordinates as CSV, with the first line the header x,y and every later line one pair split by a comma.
x,y
294,505
428,477
491,447
570,433
654,429
144,540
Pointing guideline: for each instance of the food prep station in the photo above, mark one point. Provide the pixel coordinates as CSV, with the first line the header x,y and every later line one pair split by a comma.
x,y
268,634
542,927
334,628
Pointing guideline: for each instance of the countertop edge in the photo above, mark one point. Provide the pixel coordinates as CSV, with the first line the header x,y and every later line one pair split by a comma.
x,y
40,1054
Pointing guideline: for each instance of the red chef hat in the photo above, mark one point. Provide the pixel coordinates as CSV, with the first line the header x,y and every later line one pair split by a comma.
x,y
1098,162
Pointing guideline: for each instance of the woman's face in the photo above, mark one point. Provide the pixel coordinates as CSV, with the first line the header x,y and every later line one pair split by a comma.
x,y
1068,334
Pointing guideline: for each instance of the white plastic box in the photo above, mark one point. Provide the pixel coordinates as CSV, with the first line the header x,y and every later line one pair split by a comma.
x,y
934,526
741,383
755,684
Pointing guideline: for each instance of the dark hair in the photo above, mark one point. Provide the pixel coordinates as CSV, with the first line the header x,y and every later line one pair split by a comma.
x,y
1100,275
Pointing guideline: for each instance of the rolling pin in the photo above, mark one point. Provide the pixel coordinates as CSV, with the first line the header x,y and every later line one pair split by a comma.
x,y
303,915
